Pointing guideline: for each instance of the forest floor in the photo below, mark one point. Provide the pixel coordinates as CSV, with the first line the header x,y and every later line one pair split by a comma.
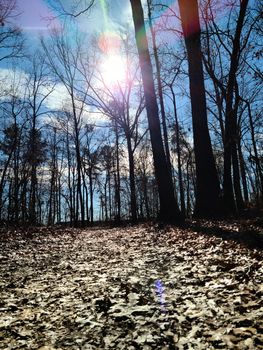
x,y
142,287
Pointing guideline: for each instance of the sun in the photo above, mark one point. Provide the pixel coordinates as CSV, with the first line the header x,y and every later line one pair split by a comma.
x,y
113,70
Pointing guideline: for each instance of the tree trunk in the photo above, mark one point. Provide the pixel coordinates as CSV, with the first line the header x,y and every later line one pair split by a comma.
x,y
178,149
2,181
160,92
91,196
243,171
79,192
118,181
85,187
132,178
16,173
169,211
106,200
259,169
230,120
208,203
71,209
145,192
33,175
236,178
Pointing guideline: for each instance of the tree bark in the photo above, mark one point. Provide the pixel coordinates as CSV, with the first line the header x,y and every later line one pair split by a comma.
x,y
33,173
259,169
160,91
230,120
242,171
208,203
169,211
118,180
178,150
132,178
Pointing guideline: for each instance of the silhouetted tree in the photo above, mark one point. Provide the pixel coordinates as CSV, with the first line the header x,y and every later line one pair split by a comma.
x,y
208,203
169,210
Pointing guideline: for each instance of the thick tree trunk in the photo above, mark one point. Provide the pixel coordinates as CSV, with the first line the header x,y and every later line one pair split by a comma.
x,y
208,203
169,210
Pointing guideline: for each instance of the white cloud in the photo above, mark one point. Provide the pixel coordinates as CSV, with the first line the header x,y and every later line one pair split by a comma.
x,y
12,80
15,80
95,118
58,98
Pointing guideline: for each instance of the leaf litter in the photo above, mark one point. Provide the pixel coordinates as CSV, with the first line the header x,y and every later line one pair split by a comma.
x,y
139,287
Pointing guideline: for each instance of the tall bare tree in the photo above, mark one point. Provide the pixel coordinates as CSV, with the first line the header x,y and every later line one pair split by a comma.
x,y
233,41
208,203
39,87
64,61
160,88
169,210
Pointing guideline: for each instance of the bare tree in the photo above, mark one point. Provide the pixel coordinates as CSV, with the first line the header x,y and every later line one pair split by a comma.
x,y
39,87
14,122
64,61
234,41
11,39
160,88
73,9
208,202
169,210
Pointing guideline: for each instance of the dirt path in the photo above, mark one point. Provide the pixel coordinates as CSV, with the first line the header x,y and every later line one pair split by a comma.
x,y
128,288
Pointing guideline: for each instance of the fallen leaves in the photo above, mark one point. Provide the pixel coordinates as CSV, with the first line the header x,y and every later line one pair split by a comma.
x,y
128,288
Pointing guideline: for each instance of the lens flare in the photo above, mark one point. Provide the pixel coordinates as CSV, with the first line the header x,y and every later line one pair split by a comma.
x,y
109,43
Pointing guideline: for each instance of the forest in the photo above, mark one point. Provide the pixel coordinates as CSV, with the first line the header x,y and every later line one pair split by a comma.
x,y
157,120
131,174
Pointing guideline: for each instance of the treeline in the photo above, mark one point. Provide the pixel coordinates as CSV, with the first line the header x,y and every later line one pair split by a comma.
x,y
179,135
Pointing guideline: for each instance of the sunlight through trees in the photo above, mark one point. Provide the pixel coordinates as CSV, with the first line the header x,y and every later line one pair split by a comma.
x,y
147,111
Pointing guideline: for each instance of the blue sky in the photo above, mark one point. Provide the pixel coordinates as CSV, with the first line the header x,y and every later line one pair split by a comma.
x,y
34,14
33,21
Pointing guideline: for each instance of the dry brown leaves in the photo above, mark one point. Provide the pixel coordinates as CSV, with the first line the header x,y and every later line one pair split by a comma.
x,y
128,288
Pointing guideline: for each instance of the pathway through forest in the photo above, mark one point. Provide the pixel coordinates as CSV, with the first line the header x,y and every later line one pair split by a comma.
x,y
140,287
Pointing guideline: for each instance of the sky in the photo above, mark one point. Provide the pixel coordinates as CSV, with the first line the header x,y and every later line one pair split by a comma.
x,y
34,20
105,17
102,19
34,14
